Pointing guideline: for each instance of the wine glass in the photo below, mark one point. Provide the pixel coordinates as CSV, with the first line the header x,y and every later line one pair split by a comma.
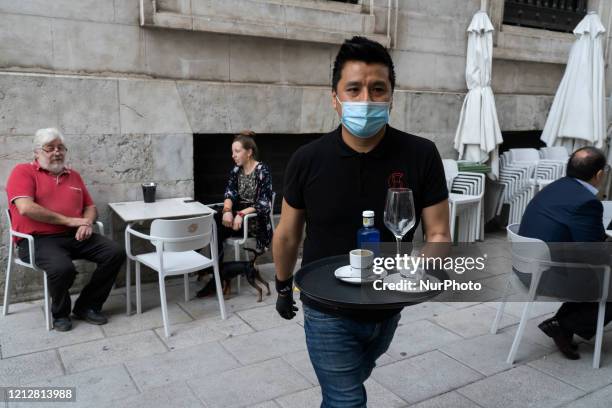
x,y
399,213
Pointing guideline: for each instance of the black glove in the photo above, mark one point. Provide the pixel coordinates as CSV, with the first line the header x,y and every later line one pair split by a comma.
x,y
285,305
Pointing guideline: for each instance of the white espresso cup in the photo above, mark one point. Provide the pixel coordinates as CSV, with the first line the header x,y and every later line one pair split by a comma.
x,y
361,261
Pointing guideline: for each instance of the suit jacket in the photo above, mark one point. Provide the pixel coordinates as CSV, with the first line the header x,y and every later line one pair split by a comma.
x,y
566,212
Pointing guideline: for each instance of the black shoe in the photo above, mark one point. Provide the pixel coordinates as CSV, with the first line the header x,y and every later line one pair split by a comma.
x,y
62,324
562,339
90,316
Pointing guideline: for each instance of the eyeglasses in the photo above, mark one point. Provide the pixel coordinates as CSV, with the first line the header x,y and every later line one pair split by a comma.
x,y
51,149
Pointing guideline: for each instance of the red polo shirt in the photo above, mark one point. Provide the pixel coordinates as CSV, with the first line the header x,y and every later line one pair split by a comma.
x,y
65,194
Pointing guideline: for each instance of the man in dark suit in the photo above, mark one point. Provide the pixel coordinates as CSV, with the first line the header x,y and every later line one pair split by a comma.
x,y
568,210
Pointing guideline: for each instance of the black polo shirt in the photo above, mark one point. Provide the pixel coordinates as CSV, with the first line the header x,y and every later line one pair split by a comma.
x,y
334,184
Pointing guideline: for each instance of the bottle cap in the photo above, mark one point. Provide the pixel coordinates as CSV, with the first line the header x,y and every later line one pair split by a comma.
x,y
368,213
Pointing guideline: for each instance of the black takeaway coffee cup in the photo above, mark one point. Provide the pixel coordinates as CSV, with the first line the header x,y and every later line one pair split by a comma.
x,y
148,192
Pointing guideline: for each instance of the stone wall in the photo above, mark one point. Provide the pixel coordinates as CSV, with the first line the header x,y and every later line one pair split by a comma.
x,y
129,98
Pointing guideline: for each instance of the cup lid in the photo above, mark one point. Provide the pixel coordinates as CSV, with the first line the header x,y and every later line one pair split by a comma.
x,y
148,184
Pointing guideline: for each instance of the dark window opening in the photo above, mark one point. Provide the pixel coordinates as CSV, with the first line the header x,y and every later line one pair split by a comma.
x,y
212,161
521,140
553,15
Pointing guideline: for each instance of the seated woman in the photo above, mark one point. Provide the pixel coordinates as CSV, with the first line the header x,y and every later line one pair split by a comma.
x,y
248,190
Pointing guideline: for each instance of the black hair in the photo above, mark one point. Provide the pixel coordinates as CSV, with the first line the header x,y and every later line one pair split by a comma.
x,y
585,166
361,49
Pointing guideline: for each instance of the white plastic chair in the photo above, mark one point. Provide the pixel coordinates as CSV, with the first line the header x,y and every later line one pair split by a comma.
x,y
532,256
13,258
466,191
607,213
176,242
555,153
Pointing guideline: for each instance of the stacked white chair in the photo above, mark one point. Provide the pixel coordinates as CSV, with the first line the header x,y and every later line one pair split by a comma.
x,y
465,202
523,173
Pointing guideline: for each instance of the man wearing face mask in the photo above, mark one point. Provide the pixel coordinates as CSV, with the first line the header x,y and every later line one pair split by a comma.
x,y
328,183
49,201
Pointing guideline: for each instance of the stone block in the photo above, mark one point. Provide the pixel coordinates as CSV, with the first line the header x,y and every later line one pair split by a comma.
x,y
580,373
114,158
88,10
444,9
180,365
487,354
93,386
425,376
266,404
304,63
265,108
177,394
520,387
432,112
172,157
73,105
301,362
38,339
154,107
262,318
127,12
25,41
450,399
206,106
204,331
97,47
188,55
425,32
472,321
109,351
317,112
22,317
419,337
120,323
599,399
255,59
85,105
30,368
255,347
279,379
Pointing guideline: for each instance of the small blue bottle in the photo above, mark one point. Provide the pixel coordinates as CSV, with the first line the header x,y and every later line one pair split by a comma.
x,y
368,237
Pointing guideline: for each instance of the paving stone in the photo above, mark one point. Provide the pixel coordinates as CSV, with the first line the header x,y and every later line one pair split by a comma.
x,y
378,396
580,373
209,307
204,331
267,404
29,368
38,339
472,321
599,399
267,317
534,334
263,345
487,354
425,376
176,394
425,310
448,400
26,316
301,362
120,323
520,387
81,357
418,337
180,365
93,386
258,382
537,308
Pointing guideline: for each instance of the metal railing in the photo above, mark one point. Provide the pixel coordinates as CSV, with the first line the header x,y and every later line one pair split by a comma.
x,y
554,15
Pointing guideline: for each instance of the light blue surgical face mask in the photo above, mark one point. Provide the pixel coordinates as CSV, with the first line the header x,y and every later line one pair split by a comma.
x,y
364,119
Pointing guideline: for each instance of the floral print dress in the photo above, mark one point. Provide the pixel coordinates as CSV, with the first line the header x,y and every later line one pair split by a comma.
x,y
253,190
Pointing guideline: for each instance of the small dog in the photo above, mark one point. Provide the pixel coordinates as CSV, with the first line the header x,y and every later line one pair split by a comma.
x,y
229,270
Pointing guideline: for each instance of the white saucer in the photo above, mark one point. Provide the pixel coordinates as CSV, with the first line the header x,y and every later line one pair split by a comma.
x,y
396,278
347,274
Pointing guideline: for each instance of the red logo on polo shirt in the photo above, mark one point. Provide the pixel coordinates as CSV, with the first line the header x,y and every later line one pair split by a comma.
x,y
395,180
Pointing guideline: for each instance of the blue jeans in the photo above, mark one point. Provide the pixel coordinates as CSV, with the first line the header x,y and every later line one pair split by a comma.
x,y
343,353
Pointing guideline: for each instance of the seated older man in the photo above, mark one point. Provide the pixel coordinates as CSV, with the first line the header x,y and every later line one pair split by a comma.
x,y
49,200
